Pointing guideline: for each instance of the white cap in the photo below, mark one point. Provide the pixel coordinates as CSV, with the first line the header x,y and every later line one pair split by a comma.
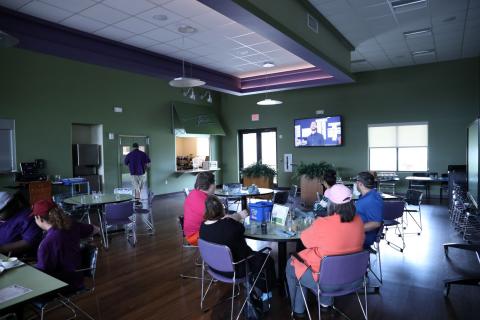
x,y
5,198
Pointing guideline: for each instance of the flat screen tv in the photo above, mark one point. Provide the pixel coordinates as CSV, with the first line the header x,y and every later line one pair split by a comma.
x,y
318,132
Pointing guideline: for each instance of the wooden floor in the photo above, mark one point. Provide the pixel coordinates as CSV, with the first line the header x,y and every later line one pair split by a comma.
x,y
143,282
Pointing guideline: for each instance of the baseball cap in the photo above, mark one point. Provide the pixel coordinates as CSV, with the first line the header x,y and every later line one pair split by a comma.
x,y
42,207
339,194
5,198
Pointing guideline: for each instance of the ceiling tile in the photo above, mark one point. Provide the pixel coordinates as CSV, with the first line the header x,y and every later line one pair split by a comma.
x,y
13,4
160,16
212,19
140,41
437,6
129,6
71,5
225,44
449,17
364,3
243,51
266,46
258,58
334,7
158,1
161,35
419,15
419,44
104,14
114,33
184,43
250,39
186,8
135,25
428,58
82,23
45,11
186,22
205,50
381,24
233,30
376,10
163,49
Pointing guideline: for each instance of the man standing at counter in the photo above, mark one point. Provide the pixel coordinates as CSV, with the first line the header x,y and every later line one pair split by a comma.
x,y
137,162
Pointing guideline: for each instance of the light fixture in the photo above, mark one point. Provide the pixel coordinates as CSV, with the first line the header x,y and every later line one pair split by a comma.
x,y
183,81
267,101
401,6
190,93
417,33
423,52
207,96
7,40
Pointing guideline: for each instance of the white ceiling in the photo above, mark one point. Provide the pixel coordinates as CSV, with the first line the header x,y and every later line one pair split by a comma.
x,y
220,43
377,31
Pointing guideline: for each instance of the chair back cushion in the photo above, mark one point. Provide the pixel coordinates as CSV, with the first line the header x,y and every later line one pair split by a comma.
x,y
216,256
343,269
118,212
89,260
413,197
280,197
393,209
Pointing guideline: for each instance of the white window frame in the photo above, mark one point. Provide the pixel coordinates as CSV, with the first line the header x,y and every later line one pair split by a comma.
x,y
399,124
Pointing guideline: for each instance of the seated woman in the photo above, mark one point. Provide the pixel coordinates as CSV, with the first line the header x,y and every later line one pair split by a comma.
x,y
59,252
194,206
341,232
228,230
18,232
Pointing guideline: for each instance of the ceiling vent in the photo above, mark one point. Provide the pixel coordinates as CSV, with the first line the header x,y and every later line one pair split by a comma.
x,y
415,34
401,6
423,53
312,23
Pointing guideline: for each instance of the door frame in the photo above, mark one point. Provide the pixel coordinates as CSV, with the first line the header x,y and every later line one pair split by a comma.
x,y
119,152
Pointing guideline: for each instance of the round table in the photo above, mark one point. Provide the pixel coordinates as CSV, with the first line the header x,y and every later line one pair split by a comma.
x,y
99,199
243,195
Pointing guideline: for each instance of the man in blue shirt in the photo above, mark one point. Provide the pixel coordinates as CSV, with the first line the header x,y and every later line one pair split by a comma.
x,y
369,206
137,162
315,138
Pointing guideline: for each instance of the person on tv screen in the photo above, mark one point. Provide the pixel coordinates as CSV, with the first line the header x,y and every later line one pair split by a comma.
x,y
315,138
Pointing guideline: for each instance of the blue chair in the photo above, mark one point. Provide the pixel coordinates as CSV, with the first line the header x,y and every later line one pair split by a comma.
x,y
336,271
218,258
119,214
393,217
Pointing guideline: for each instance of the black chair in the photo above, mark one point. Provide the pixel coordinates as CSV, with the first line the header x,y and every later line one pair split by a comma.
x,y
413,206
443,186
420,185
281,197
393,217
469,281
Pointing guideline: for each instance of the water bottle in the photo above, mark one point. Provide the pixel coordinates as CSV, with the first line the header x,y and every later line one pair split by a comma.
x,y
289,221
264,227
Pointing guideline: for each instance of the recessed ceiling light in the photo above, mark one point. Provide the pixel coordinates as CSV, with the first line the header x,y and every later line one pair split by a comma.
x,y
160,17
449,19
400,6
423,52
268,64
359,61
419,32
187,29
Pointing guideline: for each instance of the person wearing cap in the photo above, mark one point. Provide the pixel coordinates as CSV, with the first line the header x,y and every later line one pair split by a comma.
x,y
137,162
369,206
341,232
18,232
59,252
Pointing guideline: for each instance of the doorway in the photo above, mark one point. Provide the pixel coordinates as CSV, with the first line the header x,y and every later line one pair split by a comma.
x,y
258,145
124,147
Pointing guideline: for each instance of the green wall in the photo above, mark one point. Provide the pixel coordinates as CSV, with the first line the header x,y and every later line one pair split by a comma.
x,y
46,94
444,94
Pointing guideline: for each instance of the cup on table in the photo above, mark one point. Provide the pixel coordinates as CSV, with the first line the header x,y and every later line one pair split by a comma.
x,y
9,262
253,228
82,199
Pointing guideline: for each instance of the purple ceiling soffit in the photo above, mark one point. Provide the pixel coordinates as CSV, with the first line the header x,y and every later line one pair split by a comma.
x,y
235,12
50,38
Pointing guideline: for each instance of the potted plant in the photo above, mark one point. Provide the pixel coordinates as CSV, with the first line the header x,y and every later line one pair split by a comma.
x,y
311,178
259,174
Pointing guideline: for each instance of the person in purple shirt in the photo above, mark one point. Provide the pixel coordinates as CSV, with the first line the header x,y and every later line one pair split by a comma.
x,y
137,162
18,232
59,252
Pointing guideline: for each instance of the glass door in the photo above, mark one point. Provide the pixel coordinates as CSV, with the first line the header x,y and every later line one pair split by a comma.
x,y
124,147
258,145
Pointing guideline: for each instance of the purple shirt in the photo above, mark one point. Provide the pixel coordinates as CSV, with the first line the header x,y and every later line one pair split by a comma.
x,y
59,253
136,161
20,227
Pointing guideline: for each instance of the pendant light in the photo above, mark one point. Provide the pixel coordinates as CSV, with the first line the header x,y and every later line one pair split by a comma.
x,y
267,101
183,81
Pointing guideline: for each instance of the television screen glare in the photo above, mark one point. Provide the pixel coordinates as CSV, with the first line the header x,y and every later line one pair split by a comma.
x,y
318,132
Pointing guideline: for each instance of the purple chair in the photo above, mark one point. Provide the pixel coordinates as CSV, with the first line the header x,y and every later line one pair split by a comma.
x,y
218,257
145,211
119,214
338,270
392,213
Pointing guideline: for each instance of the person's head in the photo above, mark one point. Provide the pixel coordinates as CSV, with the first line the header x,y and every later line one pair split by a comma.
x,y
205,182
313,126
330,177
365,182
340,202
48,215
214,209
11,204
135,145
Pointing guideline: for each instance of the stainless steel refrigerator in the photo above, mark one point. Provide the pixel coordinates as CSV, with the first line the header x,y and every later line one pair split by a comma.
x,y
86,161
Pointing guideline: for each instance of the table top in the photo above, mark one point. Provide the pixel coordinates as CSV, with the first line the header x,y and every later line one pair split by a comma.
x,y
90,199
26,276
415,178
243,193
274,231
385,196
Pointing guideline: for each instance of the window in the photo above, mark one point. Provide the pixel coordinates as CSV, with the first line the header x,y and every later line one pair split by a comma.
x,y
398,147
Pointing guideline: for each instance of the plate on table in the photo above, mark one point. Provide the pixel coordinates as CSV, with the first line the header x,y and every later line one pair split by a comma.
x,y
18,263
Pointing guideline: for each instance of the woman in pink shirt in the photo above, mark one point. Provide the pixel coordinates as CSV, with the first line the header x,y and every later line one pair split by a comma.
x,y
194,206
341,232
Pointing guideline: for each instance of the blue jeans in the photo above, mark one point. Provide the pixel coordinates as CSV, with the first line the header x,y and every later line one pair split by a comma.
x,y
307,282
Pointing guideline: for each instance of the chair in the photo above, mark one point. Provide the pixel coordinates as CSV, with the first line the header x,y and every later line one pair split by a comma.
x,y
186,192
420,185
337,270
218,257
146,212
281,197
375,250
444,186
80,213
119,214
392,212
413,201
186,245
88,269
470,281
39,190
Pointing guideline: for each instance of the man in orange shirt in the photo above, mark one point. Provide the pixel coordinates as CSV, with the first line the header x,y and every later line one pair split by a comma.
x,y
341,232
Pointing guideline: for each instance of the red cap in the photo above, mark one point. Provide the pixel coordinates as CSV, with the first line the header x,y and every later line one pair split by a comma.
x,y
42,207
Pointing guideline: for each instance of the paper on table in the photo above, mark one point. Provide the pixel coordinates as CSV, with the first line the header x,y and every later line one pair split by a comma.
x,y
12,292
279,214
